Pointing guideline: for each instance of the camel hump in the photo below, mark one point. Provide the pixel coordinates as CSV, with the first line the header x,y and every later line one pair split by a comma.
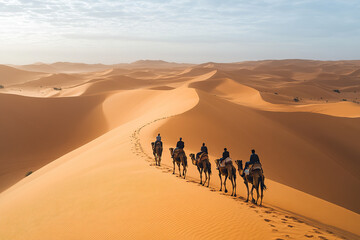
x,y
178,151
256,166
227,161
203,155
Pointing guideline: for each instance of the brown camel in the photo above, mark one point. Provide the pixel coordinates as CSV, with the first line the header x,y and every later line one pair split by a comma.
x,y
229,171
256,178
179,157
157,151
203,165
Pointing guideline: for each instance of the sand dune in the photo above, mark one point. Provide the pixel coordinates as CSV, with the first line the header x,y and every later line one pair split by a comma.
x,y
69,67
35,131
11,76
63,67
89,147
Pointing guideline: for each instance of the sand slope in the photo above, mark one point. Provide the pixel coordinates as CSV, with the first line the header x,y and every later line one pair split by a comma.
x,y
11,76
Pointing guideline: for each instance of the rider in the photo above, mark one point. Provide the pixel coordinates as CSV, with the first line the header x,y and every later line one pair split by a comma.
x,y
158,139
254,158
202,150
225,155
179,145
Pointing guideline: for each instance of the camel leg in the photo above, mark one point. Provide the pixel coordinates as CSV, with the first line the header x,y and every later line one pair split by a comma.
x,y
252,195
221,183
225,183
256,186
206,174
174,166
262,190
234,187
247,188
200,171
206,177
179,169
184,171
209,175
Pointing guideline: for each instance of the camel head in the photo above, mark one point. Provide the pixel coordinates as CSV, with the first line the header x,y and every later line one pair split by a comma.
x,y
152,144
171,150
217,161
239,163
192,156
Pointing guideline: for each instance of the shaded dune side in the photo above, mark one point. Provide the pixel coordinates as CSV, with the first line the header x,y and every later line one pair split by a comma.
x,y
292,151
11,76
54,80
35,131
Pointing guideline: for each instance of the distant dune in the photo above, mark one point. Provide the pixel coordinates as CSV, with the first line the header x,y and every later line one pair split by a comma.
x,y
68,67
11,76
77,162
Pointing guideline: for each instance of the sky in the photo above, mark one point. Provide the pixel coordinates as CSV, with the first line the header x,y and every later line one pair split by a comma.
x,y
193,31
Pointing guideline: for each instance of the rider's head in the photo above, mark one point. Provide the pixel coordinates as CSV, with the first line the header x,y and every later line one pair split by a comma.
x,y
203,144
225,149
253,150
180,138
158,134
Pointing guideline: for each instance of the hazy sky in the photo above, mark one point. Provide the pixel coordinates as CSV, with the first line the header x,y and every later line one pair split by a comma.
x,y
114,31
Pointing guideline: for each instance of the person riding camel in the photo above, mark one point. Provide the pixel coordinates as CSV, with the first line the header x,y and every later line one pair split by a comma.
x,y
202,150
225,155
254,158
180,145
158,139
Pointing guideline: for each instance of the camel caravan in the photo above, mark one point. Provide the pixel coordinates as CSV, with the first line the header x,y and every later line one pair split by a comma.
x,y
251,173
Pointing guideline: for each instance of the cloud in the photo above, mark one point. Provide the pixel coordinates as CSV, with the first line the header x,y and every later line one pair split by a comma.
x,y
245,22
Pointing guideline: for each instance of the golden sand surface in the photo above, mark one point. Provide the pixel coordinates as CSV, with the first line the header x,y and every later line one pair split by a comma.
x,y
85,132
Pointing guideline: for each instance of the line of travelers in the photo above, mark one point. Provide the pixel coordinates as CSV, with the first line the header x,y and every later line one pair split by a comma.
x,y
254,158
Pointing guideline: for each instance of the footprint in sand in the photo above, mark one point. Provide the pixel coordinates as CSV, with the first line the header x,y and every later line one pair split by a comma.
x,y
321,237
309,236
267,220
290,226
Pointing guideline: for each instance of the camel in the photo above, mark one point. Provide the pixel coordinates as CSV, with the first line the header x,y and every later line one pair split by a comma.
x,y
179,157
256,178
157,150
229,171
203,165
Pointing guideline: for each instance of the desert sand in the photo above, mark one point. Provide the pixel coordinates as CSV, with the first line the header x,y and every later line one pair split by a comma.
x,y
82,133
